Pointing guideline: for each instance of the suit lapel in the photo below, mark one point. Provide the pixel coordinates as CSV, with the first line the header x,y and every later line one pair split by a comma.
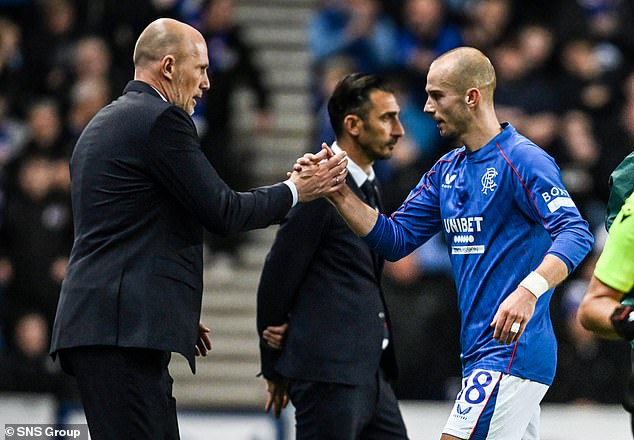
x,y
376,258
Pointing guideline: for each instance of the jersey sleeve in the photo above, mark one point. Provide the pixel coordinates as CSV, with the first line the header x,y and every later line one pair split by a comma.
x,y
615,267
543,197
417,220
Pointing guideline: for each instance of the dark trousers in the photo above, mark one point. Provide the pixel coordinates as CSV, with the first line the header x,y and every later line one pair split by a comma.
x,y
126,392
368,411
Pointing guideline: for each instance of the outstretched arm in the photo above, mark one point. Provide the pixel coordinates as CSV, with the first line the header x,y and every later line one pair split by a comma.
x,y
359,216
597,308
601,310
320,175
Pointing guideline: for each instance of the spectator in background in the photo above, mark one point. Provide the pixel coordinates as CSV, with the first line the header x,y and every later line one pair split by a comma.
x,y
427,33
488,22
46,137
46,131
357,29
578,153
26,367
49,48
233,66
119,23
87,97
12,134
36,237
333,70
537,44
93,61
525,100
608,22
587,83
11,63
617,137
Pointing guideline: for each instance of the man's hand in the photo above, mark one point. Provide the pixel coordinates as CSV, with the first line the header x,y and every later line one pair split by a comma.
x,y
623,321
203,344
513,315
275,335
276,397
317,175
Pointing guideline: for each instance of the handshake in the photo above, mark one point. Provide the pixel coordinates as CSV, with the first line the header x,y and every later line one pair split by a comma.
x,y
319,175
623,321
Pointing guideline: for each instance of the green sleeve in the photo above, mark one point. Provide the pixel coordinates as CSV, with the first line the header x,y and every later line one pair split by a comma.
x,y
615,267
621,186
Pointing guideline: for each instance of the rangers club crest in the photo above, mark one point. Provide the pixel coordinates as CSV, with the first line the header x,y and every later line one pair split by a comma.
x,y
488,182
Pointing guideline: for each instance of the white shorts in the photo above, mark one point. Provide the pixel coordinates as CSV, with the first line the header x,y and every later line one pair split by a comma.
x,y
496,406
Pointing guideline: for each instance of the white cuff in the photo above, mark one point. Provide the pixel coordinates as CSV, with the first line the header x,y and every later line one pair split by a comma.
x,y
535,283
291,185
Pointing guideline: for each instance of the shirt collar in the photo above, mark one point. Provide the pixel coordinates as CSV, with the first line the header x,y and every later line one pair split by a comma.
x,y
160,94
355,170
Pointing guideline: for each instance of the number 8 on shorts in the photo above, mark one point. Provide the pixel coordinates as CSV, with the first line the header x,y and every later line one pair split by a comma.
x,y
495,406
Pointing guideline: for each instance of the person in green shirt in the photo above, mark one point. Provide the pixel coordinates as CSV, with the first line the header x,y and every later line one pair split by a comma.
x,y
607,308
609,293
621,186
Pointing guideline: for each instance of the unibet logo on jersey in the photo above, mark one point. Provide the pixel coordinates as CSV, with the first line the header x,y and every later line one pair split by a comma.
x,y
463,227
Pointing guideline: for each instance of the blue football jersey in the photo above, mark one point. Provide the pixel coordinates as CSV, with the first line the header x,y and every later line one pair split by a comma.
x,y
502,209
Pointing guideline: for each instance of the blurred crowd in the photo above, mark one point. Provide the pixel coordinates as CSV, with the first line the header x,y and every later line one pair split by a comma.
x,y
565,79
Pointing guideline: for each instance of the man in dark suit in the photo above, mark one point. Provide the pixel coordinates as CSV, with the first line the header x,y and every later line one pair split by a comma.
x,y
142,191
324,282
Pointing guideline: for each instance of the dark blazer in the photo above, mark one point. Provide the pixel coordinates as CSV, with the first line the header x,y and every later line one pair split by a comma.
x,y
325,282
142,191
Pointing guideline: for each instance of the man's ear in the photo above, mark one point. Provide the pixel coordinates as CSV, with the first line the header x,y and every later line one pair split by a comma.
x,y
472,97
167,66
352,124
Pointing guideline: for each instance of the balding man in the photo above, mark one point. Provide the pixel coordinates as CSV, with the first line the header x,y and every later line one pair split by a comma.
x,y
142,191
513,234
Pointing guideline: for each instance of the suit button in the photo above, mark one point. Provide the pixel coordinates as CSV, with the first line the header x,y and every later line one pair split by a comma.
x,y
381,315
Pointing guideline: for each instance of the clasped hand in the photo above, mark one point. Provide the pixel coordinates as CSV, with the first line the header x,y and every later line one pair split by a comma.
x,y
318,175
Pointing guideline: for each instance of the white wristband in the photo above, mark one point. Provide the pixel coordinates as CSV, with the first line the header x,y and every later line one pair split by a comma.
x,y
535,283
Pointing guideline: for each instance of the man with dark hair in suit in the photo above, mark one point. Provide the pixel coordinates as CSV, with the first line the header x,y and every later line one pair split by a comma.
x,y
142,191
337,354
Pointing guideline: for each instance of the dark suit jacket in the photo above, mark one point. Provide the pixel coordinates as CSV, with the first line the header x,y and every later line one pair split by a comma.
x,y
325,282
141,192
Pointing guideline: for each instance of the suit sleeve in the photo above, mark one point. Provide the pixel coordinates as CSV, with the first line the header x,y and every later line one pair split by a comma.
x,y
285,268
174,157
542,196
